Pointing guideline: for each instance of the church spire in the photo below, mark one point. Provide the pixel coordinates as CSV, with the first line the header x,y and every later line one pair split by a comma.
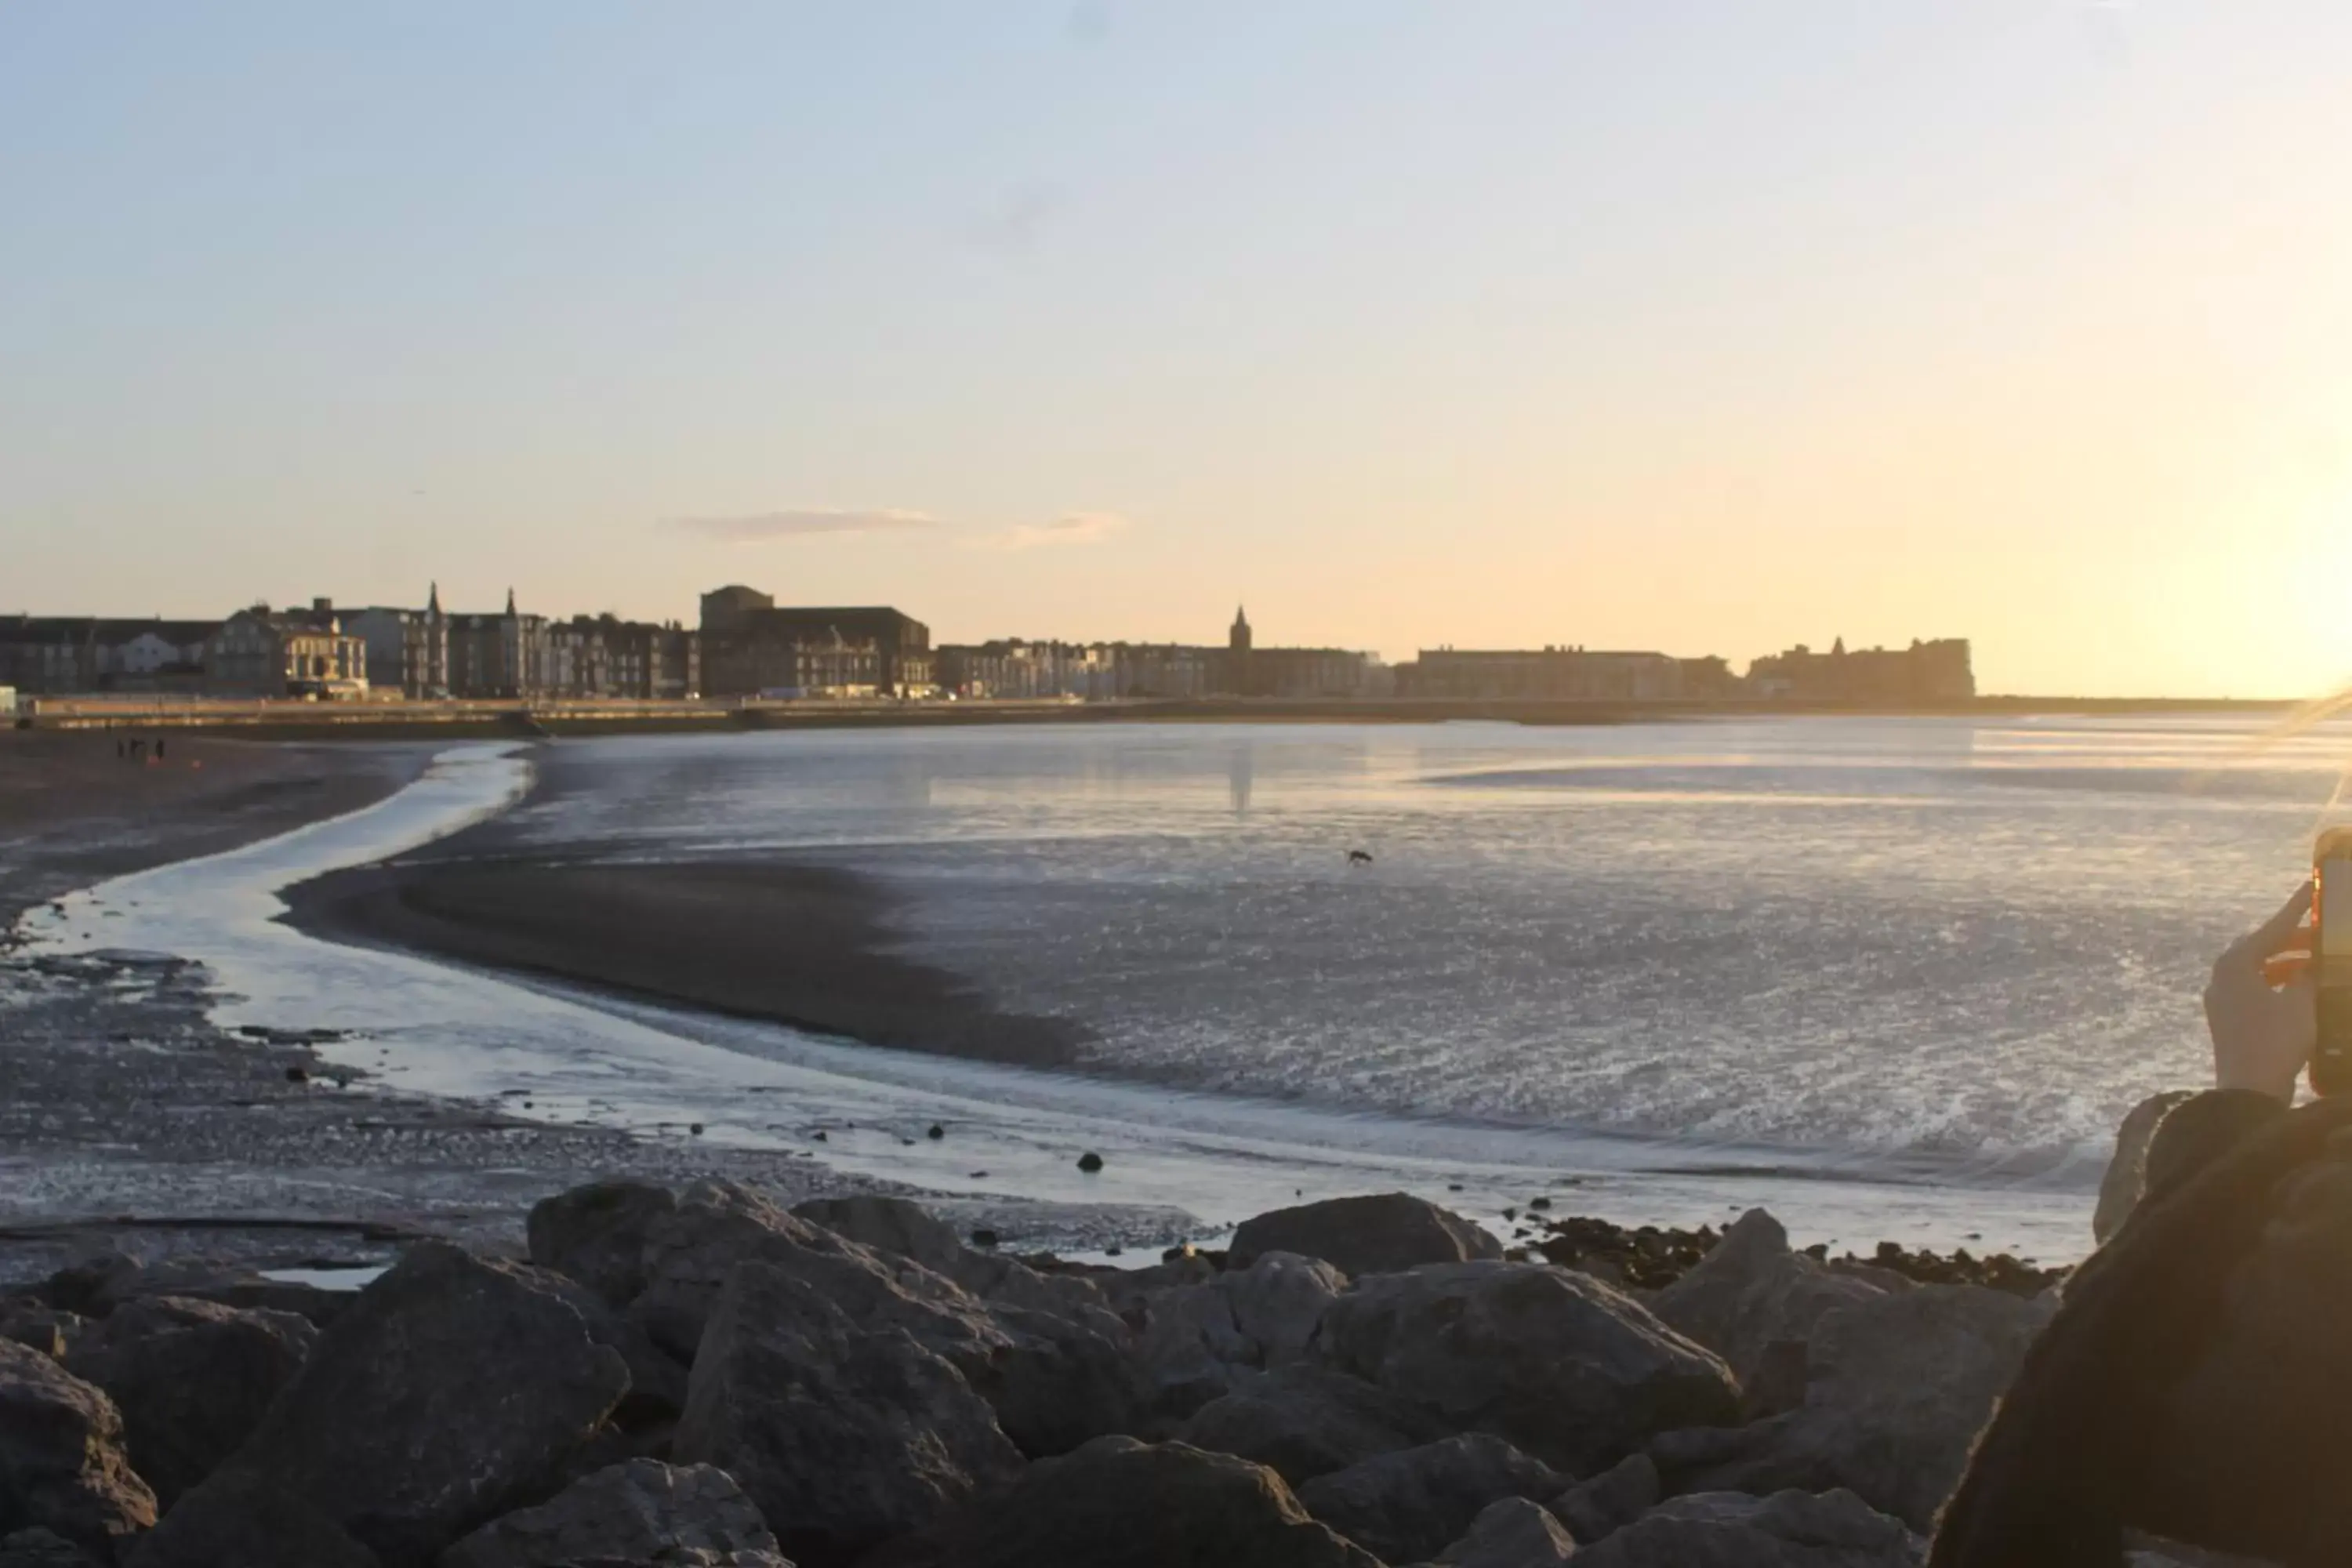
x,y
1239,641
433,599
510,609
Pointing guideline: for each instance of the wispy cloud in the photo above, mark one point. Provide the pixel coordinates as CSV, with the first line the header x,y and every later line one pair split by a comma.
x,y
1071,528
751,528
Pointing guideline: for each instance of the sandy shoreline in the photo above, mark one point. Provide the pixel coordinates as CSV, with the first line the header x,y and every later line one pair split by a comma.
x,y
74,810
793,944
134,1122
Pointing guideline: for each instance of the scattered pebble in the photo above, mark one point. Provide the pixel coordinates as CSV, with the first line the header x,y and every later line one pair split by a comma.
x,y
1090,1162
297,1075
695,1128
937,1133
983,1236
1538,1203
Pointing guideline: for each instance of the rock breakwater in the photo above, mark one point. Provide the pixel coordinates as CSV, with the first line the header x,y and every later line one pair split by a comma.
x,y
700,1375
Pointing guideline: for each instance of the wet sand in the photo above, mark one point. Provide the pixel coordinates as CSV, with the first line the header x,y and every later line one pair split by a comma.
x,y
75,811
806,946
130,1121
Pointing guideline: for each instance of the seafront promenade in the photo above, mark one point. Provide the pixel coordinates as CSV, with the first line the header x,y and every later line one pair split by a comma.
x,y
381,720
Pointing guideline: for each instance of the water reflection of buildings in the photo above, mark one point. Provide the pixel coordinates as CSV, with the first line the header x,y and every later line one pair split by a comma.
x,y
1241,771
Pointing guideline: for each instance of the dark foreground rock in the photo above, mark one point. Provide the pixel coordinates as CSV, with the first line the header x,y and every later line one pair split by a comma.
x,y
1512,1533
1374,1235
245,1521
191,1379
62,1465
1201,1341
1593,1510
596,1234
1753,1291
1560,1364
865,1387
1897,1389
641,1511
1407,1505
1786,1529
38,1548
898,1225
1309,1421
1120,1503
451,1386
844,1436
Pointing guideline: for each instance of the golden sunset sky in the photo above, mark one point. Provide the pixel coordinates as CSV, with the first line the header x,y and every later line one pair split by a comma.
x,y
1706,327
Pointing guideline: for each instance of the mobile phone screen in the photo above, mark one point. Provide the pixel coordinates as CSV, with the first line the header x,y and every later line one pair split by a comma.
x,y
2335,909
2331,1057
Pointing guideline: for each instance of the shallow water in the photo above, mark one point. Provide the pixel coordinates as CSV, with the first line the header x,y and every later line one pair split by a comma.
x,y
1931,935
1892,978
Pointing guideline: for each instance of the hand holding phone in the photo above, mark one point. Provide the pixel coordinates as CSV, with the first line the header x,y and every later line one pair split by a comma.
x,y
2262,1028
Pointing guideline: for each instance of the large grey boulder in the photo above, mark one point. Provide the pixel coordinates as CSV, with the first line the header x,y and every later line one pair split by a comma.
x,y
1191,1350
1786,1529
96,1287
451,1387
1058,1378
1511,1533
1406,1506
1594,1510
899,1225
38,1548
657,1379
1201,1341
1376,1233
1896,1389
244,1521
596,1234
1120,1503
1309,1421
2126,1173
1561,1365
642,1512
1278,1300
1752,1291
1055,1378
844,1436
62,1464
691,1251
191,1379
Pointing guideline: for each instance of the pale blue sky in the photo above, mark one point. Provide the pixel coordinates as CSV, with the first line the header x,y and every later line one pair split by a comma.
x,y
1703,326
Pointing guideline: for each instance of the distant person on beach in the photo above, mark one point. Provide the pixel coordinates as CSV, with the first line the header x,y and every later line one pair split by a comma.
x,y
2196,1383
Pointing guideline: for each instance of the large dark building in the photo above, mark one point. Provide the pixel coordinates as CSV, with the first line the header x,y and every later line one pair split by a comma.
x,y
602,656
59,655
1546,674
750,644
1938,671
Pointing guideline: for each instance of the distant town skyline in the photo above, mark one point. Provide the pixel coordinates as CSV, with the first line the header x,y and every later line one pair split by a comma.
x,y
1713,328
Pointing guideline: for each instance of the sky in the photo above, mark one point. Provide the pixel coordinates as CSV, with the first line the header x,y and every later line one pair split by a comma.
x,y
1707,326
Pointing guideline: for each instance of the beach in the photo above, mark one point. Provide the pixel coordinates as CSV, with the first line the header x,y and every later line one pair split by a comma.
x,y
1920,970
131,1120
75,809
804,946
